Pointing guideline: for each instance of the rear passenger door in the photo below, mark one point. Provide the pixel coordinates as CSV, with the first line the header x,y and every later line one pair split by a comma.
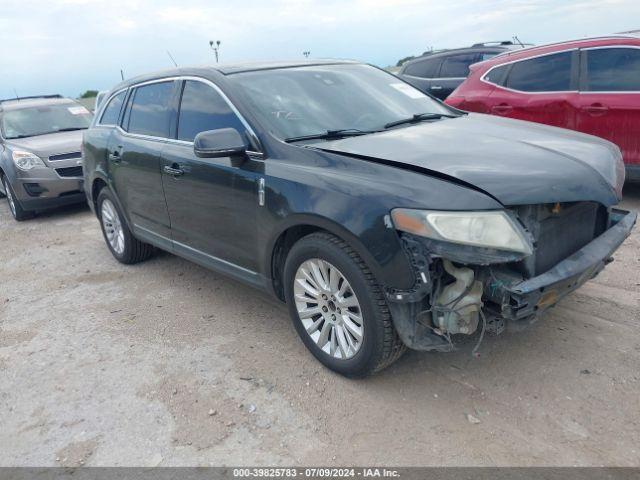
x,y
135,153
212,202
540,89
609,100
420,73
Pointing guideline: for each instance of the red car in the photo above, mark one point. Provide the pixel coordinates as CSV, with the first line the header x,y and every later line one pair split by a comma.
x,y
592,86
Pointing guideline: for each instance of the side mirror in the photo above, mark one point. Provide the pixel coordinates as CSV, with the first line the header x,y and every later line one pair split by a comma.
x,y
224,142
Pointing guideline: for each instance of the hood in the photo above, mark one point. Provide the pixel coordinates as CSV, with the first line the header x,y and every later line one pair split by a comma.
x,y
516,162
51,144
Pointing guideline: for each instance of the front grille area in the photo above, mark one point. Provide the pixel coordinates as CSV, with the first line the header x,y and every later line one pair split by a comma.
x,y
560,230
65,156
70,171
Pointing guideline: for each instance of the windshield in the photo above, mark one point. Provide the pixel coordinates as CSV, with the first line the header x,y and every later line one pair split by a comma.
x,y
32,121
311,100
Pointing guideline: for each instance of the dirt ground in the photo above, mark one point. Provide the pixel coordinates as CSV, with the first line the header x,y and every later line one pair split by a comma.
x,y
166,363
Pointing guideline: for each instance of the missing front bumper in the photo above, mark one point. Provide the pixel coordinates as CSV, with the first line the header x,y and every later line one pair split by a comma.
x,y
522,299
507,297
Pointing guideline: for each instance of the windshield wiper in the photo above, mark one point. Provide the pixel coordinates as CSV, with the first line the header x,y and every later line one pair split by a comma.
x,y
419,117
331,134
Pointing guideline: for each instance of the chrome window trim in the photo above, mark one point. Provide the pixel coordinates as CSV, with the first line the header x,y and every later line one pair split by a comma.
x,y
608,92
483,79
256,154
433,78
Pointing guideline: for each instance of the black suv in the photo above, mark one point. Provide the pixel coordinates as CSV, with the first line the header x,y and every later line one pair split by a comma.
x,y
439,73
383,218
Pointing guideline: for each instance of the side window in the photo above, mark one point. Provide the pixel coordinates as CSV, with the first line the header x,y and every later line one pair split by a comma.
x,y
201,109
112,111
457,66
150,112
497,75
550,73
424,69
613,70
487,55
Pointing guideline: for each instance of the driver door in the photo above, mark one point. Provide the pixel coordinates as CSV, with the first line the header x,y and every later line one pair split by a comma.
x,y
212,202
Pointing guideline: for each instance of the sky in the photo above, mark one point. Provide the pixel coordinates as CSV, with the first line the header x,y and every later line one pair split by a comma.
x,y
69,46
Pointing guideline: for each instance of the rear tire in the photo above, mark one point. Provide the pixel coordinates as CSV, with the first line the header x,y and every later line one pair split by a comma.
x,y
379,345
123,245
15,207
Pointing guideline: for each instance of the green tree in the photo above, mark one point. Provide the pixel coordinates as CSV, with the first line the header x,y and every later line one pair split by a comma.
x,y
89,94
403,60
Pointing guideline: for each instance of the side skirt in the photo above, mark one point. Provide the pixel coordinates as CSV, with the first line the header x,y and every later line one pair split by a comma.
x,y
211,262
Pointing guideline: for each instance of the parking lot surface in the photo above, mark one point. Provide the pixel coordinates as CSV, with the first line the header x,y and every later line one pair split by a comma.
x,y
166,363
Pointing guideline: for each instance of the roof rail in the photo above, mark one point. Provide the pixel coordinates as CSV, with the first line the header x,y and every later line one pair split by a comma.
x,y
32,97
564,42
498,43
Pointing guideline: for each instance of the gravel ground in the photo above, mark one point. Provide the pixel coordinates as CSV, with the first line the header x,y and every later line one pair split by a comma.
x,y
166,363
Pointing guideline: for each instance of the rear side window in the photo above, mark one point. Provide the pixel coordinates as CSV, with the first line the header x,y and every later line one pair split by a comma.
x,y
497,75
150,112
202,108
457,66
613,70
112,111
424,69
550,73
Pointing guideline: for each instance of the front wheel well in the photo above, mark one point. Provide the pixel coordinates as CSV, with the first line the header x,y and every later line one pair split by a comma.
x,y
283,244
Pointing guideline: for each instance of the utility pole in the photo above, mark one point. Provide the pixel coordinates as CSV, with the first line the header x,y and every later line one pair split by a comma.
x,y
215,49
306,53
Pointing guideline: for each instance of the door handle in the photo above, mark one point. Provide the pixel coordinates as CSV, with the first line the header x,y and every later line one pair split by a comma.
x,y
501,109
173,170
595,109
436,87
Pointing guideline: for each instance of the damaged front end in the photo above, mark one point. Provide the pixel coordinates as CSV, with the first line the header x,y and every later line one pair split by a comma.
x,y
463,288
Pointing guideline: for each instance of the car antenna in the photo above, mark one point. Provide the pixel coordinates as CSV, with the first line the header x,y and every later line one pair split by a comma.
x,y
16,92
172,59
517,40
122,74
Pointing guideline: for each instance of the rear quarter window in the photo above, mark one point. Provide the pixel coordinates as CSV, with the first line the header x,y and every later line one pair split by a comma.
x,y
497,75
112,111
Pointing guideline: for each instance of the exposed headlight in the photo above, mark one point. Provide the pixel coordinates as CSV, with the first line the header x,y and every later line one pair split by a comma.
x,y
26,160
488,229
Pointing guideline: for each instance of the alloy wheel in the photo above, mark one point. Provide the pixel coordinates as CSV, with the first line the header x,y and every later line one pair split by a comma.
x,y
112,226
328,308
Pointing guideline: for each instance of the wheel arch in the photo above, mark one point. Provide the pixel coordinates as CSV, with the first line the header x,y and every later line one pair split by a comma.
x,y
299,226
96,186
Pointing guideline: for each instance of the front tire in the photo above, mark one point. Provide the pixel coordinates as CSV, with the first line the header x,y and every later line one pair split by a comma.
x,y
338,308
15,207
123,245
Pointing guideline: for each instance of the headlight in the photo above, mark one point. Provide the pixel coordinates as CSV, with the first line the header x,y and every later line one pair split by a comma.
x,y
490,229
26,160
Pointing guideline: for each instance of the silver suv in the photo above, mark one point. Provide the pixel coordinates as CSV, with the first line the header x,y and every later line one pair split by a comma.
x,y
40,158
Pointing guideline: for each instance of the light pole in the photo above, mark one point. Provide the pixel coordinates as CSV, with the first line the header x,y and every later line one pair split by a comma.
x,y
306,54
215,49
